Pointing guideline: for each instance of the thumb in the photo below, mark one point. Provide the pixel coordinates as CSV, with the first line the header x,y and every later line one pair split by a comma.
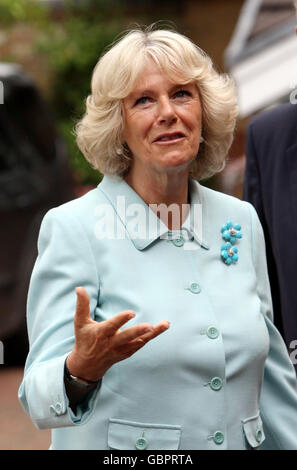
x,y
82,313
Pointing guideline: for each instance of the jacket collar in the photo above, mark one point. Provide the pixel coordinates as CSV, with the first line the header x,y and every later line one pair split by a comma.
x,y
140,221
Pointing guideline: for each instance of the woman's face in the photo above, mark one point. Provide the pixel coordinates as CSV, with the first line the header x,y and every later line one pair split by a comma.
x,y
162,122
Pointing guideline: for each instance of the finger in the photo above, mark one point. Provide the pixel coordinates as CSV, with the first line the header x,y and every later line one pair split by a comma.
x,y
129,334
139,341
110,326
131,347
82,313
156,331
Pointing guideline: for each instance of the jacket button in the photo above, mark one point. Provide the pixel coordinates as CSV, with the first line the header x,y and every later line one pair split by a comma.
x,y
141,443
218,437
195,288
178,241
58,408
258,435
216,383
212,332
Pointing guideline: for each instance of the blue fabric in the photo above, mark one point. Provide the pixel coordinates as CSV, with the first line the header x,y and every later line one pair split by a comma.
x,y
162,395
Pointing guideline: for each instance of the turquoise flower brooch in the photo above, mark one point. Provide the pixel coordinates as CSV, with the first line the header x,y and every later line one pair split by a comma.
x,y
230,233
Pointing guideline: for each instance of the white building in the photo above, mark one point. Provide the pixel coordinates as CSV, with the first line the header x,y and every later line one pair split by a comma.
x,y
262,55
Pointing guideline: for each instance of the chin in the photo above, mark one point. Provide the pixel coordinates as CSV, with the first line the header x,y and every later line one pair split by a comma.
x,y
176,160
175,164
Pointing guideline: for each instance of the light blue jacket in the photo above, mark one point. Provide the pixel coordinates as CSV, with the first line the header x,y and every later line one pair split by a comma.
x,y
219,378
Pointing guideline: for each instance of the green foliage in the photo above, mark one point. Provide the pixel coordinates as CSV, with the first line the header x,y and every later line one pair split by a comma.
x,y
73,48
25,11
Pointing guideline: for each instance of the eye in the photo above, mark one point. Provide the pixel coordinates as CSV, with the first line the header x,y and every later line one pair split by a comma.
x,y
181,93
142,100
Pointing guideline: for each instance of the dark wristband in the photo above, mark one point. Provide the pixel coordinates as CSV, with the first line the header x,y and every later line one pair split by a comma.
x,y
78,381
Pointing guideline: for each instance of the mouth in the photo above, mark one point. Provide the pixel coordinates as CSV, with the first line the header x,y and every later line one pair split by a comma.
x,y
169,138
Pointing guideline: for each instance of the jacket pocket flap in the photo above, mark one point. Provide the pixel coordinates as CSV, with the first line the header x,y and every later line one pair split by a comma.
x,y
253,430
124,435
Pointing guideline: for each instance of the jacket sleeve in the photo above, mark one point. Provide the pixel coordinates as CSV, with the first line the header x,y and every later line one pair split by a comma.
x,y
64,261
278,400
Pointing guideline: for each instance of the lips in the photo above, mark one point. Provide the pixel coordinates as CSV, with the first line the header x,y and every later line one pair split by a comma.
x,y
169,136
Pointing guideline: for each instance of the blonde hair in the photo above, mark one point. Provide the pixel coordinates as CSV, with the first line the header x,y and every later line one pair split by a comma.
x,y
99,132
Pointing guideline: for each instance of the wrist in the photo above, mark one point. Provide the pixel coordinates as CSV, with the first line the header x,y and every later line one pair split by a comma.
x,y
76,368
78,381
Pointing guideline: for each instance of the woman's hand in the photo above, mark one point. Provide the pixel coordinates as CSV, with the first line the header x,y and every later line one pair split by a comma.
x,y
98,345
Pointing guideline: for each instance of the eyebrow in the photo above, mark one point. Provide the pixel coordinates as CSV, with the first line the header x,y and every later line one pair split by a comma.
x,y
148,91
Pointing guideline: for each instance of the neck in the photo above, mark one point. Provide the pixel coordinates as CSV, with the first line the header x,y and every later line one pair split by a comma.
x,y
166,189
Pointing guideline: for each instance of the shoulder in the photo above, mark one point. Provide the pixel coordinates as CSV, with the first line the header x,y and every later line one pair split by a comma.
x,y
221,203
280,120
221,207
270,134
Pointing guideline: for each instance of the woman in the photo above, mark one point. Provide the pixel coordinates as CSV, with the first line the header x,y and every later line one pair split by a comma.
x,y
151,247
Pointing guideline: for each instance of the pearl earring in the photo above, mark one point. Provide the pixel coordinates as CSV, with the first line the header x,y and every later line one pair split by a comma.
x,y
124,151
201,140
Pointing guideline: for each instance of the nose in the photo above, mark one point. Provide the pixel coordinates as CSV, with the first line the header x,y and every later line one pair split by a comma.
x,y
166,111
